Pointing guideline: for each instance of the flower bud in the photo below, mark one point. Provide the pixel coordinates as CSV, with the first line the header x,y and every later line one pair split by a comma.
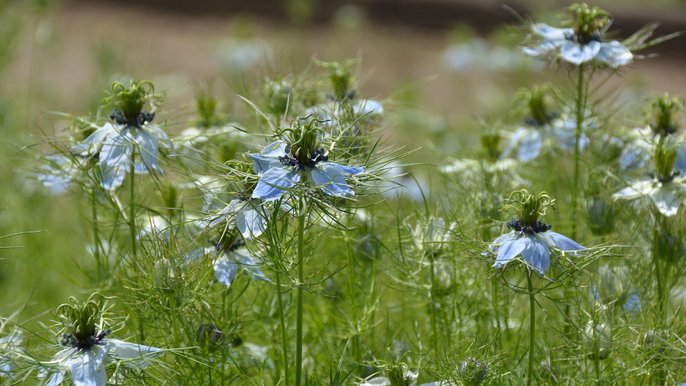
x,y
601,215
277,95
668,246
664,113
598,339
490,145
443,279
612,285
209,336
472,372
665,157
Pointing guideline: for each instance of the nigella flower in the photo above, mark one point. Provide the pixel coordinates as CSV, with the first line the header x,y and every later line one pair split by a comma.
x,y
667,188
330,114
530,238
243,214
58,172
583,42
130,134
229,260
281,167
637,153
667,195
88,349
10,344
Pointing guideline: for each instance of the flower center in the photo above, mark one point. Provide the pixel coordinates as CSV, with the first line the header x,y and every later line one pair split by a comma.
x,y
84,343
143,118
292,160
537,227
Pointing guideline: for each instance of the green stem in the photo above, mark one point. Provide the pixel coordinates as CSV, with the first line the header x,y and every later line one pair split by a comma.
x,y
495,297
352,279
532,329
132,200
580,109
96,236
282,322
301,278
432,299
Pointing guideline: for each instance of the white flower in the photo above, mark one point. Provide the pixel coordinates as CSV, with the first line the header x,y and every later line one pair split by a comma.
x,y
9,344
667,196
638,152
114,144
575,50
87,365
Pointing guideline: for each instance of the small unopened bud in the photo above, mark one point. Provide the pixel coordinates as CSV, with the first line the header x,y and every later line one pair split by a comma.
x,y
612,285
665,157
472,372
490,143
668,246
537,101
209,336
443,279
601,215
663,116
277,95
598,340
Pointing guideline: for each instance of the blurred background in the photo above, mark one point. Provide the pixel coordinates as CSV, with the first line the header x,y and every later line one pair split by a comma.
x,y
443,68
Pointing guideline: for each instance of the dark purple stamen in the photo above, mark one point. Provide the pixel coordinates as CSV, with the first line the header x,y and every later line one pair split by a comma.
x,y
538,227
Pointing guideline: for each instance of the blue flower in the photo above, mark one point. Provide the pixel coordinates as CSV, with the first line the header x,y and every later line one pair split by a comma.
x,y
228,262
115,144
576,49
243,214
280,171
637,153
532,245
58,173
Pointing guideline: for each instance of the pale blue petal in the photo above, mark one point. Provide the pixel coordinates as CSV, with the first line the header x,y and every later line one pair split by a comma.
x,y
577,53
680,164
550,33
665,200
225,270
614,54
197,253
274,182
56,174
250,264
148,152
342,169
530,146
249,222
261,164
368,107
536,254
543,48
330,177
91,145
275,149
509,249
495,245
564,243
632,304
115,160
126,350
633,157
56,379
88,367
268,157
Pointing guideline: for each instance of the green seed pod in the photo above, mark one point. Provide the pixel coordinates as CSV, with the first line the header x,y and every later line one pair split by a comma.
x,y
598,340
472,372
601,215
